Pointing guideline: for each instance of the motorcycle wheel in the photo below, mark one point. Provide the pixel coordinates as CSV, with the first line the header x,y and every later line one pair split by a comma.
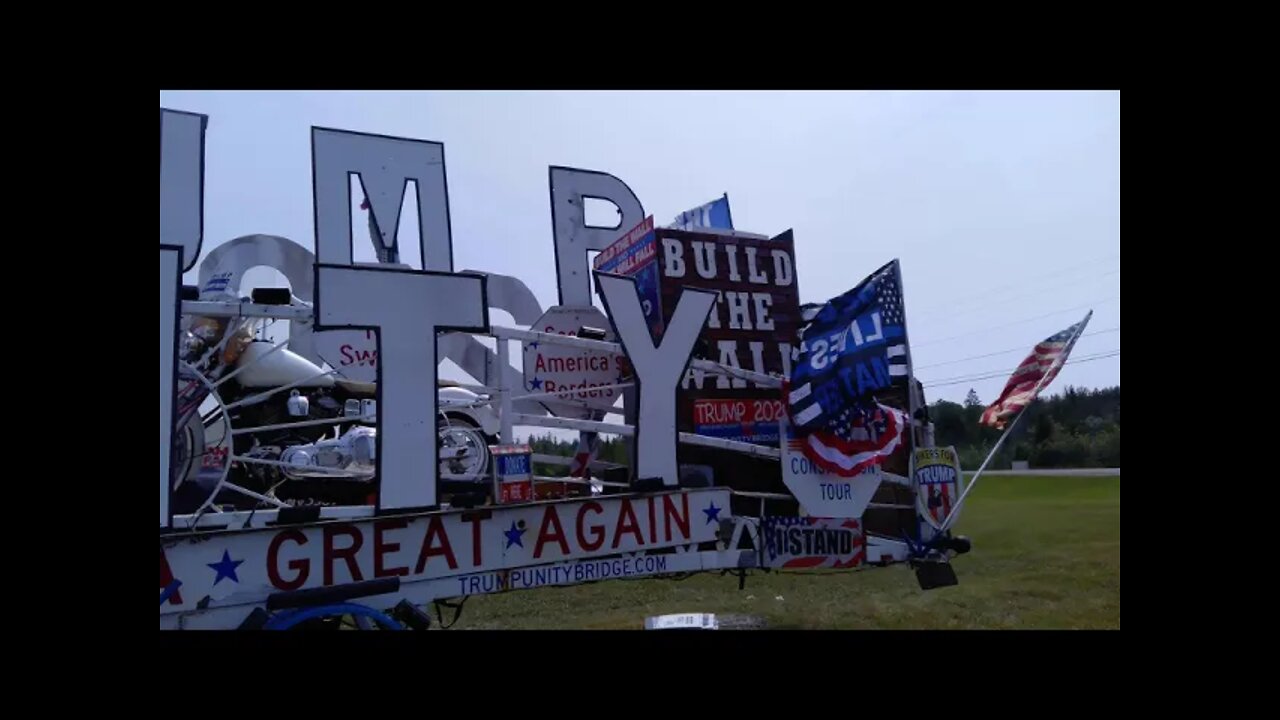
x,y
459,434
465,481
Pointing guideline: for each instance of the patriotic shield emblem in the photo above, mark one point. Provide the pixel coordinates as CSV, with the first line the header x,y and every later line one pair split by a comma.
x,y
936,473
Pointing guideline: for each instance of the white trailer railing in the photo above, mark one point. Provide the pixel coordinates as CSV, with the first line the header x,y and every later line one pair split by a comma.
x,y
504,397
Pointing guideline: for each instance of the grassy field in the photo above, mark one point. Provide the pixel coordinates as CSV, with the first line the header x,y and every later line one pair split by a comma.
x,y
1046,554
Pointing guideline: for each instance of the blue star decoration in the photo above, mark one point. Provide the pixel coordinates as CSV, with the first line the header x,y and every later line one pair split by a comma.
x,y
535,384
226,568
514,535
713,512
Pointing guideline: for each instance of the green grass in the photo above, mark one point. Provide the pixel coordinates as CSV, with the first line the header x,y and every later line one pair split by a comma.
x,y
1046,554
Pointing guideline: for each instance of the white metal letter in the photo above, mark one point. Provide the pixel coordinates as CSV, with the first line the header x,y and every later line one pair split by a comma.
x,y
370,298
384,166
573,237
658,369
170,280
181,231
182,182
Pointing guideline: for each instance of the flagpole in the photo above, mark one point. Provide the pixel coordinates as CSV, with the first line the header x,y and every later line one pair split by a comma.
x,y
1035,393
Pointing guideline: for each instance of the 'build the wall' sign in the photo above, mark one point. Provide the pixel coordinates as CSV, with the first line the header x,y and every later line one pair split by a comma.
x,y
752,326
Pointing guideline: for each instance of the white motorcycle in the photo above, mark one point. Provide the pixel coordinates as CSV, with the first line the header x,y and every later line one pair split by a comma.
x,y
260,426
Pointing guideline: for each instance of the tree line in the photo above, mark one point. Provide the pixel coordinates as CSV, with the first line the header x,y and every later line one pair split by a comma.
x,y
1078,428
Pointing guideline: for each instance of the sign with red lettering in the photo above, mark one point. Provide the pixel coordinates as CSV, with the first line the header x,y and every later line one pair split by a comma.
x,y
243,568
636,255
553,368
353,353
748,420
515,492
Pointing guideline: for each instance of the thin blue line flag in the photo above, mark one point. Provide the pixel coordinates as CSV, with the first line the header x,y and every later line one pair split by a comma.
x,y
853,348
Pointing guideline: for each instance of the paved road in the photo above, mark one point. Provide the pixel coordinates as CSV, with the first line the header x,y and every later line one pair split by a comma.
x,y
1089,472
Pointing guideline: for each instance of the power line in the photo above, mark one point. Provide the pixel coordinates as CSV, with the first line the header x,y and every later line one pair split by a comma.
x,y
1007,298
1005,352
958,381
1006,373
1002,288
1016,322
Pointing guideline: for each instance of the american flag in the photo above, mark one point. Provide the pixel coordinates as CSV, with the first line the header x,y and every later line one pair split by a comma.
x,y
1035,373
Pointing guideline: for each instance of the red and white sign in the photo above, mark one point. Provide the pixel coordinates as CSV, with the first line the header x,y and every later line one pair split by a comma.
x,y
824,493
245,567
810,542
514,466
624,255
515,492
736,412
353,353
744,419
552,368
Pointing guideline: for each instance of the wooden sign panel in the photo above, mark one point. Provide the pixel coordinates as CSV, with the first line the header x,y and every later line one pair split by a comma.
x,y
753,326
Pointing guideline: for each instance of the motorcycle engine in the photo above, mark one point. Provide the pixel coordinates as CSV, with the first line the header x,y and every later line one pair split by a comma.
x,y
352,456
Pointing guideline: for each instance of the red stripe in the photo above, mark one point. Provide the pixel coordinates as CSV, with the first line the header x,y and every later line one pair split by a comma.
x,y
804,562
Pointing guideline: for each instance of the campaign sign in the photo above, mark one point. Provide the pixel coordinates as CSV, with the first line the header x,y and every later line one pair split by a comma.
x,y
254,564
812,542
582,377
514,466
753,326
822,493
745,420
936,473
636,255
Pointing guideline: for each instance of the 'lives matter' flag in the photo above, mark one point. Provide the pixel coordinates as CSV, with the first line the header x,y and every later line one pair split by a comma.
x,y
853,349
1033,375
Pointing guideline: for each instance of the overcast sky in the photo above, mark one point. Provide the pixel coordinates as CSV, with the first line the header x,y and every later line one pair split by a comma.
x,y
1004,207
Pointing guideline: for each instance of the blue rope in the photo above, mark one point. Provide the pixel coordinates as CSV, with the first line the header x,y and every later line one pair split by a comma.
x,y
289,618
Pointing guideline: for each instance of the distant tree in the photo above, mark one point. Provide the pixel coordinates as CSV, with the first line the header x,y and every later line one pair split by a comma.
x,y
1094,423
1075,428
949,424
1044,430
